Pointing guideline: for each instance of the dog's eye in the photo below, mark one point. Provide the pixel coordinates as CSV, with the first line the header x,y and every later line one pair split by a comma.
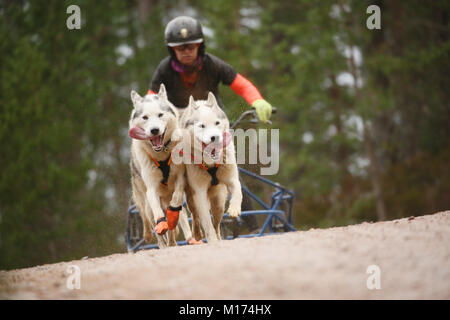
x,y
160,115
217,123
145,117
202,126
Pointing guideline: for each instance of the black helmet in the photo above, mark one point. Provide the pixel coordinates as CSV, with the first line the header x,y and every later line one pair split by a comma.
x,y
183,30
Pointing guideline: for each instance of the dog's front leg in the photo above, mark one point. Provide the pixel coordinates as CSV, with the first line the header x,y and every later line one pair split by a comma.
x,y
177,196
200,197
154,202
173,211
234,188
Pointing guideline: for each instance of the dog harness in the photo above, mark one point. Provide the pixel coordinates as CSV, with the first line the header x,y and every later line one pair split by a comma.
x,y
211,170
164,166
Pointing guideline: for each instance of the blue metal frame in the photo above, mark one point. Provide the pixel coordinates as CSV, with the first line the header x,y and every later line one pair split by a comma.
x,y
272,211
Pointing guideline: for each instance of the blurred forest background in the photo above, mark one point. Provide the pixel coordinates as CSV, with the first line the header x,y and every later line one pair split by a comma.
x,y
364,115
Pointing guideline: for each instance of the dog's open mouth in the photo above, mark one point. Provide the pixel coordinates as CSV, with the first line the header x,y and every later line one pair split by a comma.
x,y
212,149
157,142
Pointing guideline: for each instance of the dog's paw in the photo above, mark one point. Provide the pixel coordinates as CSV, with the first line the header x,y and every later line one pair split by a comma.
x,y
234,212
161,228
147,236
193,241
177,135
197,232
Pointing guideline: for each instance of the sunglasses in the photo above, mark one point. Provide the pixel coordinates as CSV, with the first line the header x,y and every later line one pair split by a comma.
x,y
189,47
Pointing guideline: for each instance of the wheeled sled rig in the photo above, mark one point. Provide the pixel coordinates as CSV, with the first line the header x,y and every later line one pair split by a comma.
x,y
278,212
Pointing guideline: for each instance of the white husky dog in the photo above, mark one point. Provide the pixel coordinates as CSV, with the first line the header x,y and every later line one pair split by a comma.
x,y
157,182
211,168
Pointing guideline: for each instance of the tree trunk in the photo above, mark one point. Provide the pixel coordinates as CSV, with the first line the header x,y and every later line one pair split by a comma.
x,y
374,175
369,146
145,8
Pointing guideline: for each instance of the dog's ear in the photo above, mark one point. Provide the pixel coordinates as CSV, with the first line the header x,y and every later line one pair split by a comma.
x,y
175,110
136,98
211,99
192,103
186,112
215,106
162,93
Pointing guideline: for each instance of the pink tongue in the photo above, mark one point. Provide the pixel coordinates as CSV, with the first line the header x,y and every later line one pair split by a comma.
x,y
137,133
226,141
226,138
156,140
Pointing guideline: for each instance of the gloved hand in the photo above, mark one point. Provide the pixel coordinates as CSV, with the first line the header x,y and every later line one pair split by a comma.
x,y
263,109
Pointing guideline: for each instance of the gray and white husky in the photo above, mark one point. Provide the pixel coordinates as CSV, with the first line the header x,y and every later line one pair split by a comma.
x,y
211,169
157,182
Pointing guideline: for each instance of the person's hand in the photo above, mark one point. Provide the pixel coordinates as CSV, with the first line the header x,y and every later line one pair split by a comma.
x,y
263,110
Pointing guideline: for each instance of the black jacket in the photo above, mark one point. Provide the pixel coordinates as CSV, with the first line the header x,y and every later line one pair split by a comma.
x,y
213,72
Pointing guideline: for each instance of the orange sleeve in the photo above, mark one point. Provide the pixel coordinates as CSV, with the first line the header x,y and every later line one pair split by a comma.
x,y
243,87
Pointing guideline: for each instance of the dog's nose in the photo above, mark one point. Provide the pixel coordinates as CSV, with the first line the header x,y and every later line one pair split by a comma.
x,y
214,138
154,131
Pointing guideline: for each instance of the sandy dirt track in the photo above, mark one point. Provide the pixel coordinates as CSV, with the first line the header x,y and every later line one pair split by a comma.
x,y
413,255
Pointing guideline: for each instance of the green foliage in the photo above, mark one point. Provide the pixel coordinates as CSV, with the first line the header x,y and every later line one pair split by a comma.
x,y
64,108
52,83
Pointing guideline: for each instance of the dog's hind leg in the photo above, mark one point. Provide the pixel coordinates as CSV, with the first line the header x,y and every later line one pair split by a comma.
x,y
200,198
172,234
217,196
184,224
196,229
138,188
148,223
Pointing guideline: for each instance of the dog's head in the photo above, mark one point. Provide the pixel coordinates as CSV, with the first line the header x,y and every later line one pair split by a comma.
x,y
207,124
153,119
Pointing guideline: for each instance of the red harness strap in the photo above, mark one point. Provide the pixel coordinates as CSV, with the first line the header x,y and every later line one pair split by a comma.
x,y
164,166
211,170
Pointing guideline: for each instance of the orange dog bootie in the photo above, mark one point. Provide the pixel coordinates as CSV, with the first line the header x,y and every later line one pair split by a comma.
x,y
161,226
172,215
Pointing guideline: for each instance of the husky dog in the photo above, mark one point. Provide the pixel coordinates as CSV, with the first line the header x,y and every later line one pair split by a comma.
x,y
157,183
210,178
